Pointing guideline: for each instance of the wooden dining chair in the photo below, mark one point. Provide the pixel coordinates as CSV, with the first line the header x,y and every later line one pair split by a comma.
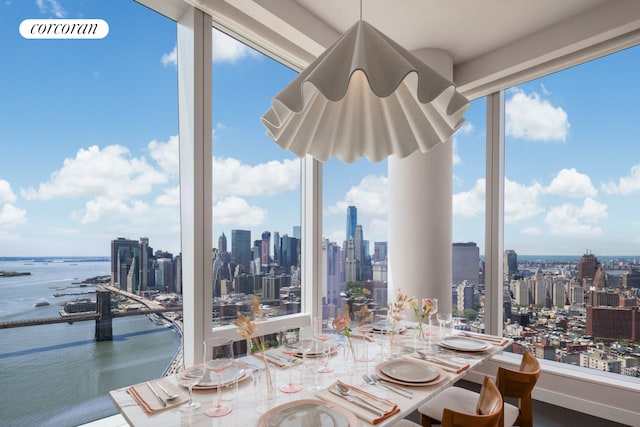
x,y
519,385
458,407
512,384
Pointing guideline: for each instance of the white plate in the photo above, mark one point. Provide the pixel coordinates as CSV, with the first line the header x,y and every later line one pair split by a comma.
x,y
409,371
229,375
463,344
308,413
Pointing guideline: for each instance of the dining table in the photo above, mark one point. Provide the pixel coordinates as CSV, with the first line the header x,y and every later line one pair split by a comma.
x,y
407,378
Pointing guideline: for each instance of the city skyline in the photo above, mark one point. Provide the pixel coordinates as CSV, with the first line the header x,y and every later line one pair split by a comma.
x,y
112,169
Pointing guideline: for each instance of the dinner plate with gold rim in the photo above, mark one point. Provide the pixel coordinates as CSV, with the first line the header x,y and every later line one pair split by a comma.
x,y
463,344
408,371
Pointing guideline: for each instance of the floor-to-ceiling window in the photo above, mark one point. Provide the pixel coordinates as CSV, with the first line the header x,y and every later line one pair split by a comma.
x,y
570,231
88,155
256,188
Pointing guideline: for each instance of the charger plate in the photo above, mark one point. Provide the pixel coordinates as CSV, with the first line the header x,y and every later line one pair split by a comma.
x,y
308,413
401,371
463,344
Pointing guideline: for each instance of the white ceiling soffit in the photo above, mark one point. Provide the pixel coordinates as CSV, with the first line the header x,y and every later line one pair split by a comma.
x,y
494,43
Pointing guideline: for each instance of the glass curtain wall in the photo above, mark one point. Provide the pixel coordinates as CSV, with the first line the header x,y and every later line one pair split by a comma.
x,y
570,232
256,189
88,169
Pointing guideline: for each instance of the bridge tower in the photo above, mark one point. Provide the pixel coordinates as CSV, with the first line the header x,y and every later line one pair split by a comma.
x,y
104,331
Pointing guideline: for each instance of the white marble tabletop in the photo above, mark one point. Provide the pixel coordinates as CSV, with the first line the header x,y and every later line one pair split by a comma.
x,y
248,401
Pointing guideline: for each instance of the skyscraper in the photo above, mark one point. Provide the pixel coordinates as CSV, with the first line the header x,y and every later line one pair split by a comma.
x,y
222,244
587,267
352,220
241,247
265,248
466,263
510,262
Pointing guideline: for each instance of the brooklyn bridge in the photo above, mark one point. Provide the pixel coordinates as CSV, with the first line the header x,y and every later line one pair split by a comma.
x,y
103,315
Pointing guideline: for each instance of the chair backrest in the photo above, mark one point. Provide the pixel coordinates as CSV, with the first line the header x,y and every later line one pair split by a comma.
x,y
488,411
519,384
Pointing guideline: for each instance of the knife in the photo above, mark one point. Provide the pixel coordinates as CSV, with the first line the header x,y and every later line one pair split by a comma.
x,y
353,401
164,404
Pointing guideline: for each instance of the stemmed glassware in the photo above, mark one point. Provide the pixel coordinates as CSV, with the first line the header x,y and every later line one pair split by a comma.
x,y
323,338
289,338
364,329
188,377
221,358
443,319
434,310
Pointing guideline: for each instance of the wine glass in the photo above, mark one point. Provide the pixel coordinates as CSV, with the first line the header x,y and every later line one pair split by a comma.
x,y
221,358
364,329
443,320
320,335
188,377
434,310
289,338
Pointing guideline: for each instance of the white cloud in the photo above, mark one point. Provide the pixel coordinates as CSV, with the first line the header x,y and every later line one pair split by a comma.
x,y
232,177
166,154
370,196
11,216
528,116
6,194
569,182
532,231
626,184
468,204
465,129
228,49
52,7
170,58
573,220
235,210
104,206
224,49
94,173
521,201
170,197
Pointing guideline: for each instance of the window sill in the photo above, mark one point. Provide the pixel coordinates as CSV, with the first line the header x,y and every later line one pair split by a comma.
x,y
600,394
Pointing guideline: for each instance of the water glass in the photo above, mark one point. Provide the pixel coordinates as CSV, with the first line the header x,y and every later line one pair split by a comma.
x,y
443,320
188,377
221,358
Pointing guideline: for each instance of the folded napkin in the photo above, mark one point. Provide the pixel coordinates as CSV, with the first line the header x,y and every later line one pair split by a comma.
x,y
278,358
445,364
386,407
150,403
488,338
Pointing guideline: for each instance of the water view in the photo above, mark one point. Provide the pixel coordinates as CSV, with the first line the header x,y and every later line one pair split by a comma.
x,y
57,374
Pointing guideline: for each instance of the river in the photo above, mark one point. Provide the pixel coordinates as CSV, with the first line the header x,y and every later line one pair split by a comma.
x,y
58,375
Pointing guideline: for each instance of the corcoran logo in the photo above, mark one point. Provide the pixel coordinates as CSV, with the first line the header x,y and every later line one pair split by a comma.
x,y
64,29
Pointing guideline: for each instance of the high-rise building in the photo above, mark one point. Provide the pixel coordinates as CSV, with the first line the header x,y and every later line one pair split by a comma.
x,y
222,244
466,261
296,232
350,263
277,249
379,251
333,280
265,244
241,247
465,296
352,220
125,255
288,253
510,263
587,267
358,246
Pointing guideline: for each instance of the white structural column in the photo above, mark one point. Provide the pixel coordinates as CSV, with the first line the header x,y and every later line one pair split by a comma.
x,y
420,198
494,219
194,101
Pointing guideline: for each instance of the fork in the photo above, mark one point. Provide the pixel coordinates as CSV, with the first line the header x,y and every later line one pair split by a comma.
x,y
373,380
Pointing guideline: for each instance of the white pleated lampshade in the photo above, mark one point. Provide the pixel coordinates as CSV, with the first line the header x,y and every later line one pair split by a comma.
x,y
365,96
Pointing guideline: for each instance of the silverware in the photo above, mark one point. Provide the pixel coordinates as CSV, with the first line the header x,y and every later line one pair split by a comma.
x,y
164,404
370,380
348,398
169,395
384,382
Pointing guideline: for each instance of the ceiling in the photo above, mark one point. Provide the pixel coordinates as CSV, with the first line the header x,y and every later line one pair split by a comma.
x,y
493,43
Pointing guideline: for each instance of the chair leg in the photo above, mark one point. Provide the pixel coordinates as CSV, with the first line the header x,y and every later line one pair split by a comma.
x,y
426,421
526,412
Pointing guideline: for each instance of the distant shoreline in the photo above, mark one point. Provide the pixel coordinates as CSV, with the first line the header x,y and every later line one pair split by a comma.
x,y
14,273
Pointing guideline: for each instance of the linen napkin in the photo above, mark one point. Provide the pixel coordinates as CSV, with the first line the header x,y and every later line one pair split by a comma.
x,y
488,338
150,403
278,358
387,407
445,364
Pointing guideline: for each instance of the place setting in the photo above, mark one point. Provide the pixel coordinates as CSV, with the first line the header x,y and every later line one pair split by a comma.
x,y
410,372
158,395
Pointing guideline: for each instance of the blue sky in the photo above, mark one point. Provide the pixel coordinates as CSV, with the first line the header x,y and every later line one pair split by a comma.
x,y
88,143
